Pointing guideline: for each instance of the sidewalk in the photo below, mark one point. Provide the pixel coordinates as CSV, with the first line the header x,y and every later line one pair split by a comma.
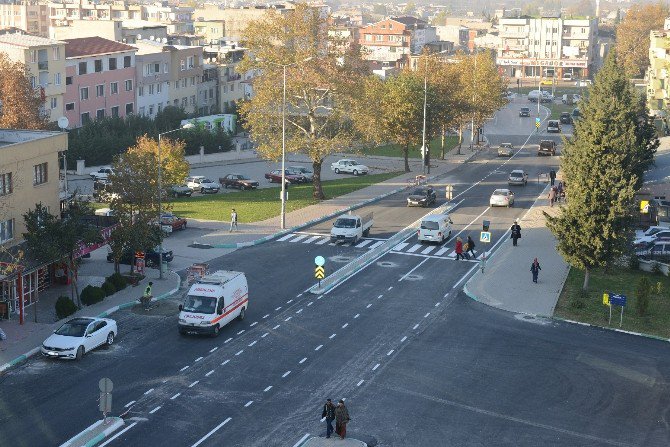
x,y
333,441
507,283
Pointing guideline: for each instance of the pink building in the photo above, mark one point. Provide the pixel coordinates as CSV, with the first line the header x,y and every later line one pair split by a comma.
x,y
99,79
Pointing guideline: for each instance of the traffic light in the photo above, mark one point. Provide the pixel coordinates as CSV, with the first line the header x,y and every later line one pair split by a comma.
x,y
485,225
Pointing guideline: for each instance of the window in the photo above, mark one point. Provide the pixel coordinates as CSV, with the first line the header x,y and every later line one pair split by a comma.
x,y
192,100
176,84
97,64
33,56
6,230
141,111
129,85
165,68
182,64
82,68
114,88
151,89
192,81
6,186
69,106
160,108
68,80
33,81
140,91
157,68
190,62
54,103
100,90
115,111
57,78
232,87
55,53
126,61
184,102
40,173
176,102
183,82
368,37
85,117
159,87
129,108
112,63
83,93
100,114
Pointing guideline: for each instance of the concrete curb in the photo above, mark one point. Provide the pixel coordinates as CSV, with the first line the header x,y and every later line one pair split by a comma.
x,y
115,425
638,334
105,314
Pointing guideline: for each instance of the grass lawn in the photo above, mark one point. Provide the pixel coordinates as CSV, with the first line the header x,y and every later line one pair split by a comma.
x,y
623,281
394,150
261,204
558,107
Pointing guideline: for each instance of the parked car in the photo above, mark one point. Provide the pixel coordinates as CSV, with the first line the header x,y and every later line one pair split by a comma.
x,y
102,191
202,184
502,197
505,150
174,222
659,250
547,147
570,98
544,96
576,114
583,82
663,234
78,336
290,176
102,173
150,257
518,177
524,111
350,166
180,191
307,172
553,126
566,118
422,196
238,181
650,231
567,76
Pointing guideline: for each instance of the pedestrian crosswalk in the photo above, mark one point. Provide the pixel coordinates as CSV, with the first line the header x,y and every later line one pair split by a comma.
x,y
410,248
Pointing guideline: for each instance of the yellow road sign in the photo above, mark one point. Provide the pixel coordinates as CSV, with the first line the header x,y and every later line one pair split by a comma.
x,y
537,124
606,299
319,272
644,206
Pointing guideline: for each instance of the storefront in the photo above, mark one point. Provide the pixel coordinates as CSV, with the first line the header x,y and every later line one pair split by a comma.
x,y
522,68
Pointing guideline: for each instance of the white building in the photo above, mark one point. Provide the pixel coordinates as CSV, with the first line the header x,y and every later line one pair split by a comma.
x,y
152,66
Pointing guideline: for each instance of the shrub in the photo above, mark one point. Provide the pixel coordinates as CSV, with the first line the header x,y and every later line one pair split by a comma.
x,y
65,307
108,288
91,295
634,263
642,295
656,268
118,280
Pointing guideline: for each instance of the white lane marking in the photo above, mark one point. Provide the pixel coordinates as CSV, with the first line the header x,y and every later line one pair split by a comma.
x,y
283,238
213,349
303,360
332,336
390,352
248,403
360,383
311,239
318,347
414,248
363,243
265,335
194,384
376,366
225,363
241,332
390,288
239,352
155,410
253,343
426,316
446,294
266,315
274,328
299,238
298,311
149,391
209,373
129,404
299,443
323,241
465,276
415,326
437,304
428,249
277,308
310,303
400,246
253,324
175,396
380,296
441,251
368,306
411,271
288,319
267,389
298,295
356,316
228,341
184,368
118,434
376,244
289,301
345,325
285,374
198,359
204,438
403,339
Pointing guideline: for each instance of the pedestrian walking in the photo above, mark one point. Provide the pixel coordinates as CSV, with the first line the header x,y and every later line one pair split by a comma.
x,y
148,290
341,419
552,176
516,232
559,191
459,249
329,413
552,196
535,269
471,247
233,220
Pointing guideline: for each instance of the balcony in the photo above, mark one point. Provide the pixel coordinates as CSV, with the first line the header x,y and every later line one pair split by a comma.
x,y
43,65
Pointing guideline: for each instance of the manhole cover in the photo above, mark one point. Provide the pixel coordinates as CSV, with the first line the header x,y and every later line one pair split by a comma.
x,y
413,277
387,264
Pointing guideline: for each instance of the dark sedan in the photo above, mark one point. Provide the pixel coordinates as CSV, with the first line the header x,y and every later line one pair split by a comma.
x,y
238,181
150,257
422,197
290,176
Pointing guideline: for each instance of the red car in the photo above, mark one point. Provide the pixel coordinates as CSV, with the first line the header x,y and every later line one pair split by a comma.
x,y
291,177
177,223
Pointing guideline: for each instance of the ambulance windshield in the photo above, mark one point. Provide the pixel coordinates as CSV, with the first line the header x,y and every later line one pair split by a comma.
x,y
200,304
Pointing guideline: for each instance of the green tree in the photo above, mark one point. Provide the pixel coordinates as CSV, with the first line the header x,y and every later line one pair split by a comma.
x,y
440,19
169,118
632,35
20,106
600,165
409,8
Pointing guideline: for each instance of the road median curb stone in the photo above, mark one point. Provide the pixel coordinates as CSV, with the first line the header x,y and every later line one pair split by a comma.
x,y
638,334
92,435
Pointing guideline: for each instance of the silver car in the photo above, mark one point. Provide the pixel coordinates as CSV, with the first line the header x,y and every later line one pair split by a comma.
x,y
505,150
502,197
306,172
518,177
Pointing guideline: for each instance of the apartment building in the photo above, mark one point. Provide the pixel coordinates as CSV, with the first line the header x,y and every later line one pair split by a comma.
x,y
154,74
547,46
186,63
658,78
210,31
236,20
391,41
232,86
45,60
62,12
28,15
100,79
208,90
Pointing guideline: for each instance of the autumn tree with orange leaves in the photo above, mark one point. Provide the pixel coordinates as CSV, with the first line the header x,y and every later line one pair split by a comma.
x,y
21,106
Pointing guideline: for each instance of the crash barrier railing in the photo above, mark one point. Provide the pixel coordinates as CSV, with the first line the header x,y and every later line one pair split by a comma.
x,y
371,256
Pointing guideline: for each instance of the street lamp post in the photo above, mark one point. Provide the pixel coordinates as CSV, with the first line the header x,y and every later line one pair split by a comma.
x,y
426,161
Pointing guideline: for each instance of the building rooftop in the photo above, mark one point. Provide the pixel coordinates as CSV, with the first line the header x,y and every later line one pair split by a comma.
x,y
27,40
91,46
14,136
407,20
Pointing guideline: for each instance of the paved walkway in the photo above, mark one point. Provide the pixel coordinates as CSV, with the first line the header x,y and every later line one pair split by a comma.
x,y
507,282
334,441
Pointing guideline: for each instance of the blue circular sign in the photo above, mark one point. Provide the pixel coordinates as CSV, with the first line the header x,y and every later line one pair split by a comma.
x,y
320,261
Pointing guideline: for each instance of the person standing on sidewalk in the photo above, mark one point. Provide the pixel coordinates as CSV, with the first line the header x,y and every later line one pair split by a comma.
x,y
329,414
552,196
516,232
341,419
233,220
535,270
459,249
471,247
552,176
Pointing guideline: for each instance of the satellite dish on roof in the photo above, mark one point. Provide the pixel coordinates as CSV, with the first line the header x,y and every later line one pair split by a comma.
x,y
63,122
151,37
139,37
164,39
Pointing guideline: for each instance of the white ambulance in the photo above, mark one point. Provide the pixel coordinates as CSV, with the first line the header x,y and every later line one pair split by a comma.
x,y
214,301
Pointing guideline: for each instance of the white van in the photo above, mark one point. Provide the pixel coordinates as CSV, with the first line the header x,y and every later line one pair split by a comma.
x,y
214,301
435,228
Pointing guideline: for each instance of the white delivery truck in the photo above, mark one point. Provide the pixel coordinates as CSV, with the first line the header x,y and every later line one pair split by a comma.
x,y
435,228
350,228
214,301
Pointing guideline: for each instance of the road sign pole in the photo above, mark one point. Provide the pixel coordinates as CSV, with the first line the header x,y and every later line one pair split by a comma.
x,y
621,320
610,322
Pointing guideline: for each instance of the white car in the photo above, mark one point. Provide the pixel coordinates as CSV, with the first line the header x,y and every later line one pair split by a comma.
x,y
78,336
102,173
350,166
202,184
306,172
658,234
502,197
649,231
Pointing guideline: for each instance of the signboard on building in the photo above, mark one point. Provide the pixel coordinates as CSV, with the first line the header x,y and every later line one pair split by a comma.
x,y
543,62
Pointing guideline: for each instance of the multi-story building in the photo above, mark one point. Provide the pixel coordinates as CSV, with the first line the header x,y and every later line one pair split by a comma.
x,y
391,41
45,60
208,90
186,72
658,78
62,12
29,15
100,79
153,69
547,46
232,86
210,31
236,20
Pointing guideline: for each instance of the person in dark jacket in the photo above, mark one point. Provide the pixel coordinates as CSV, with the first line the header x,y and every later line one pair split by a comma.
x,y
516,232
471,247
459,249
329,414
341,419
552,176
535,269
